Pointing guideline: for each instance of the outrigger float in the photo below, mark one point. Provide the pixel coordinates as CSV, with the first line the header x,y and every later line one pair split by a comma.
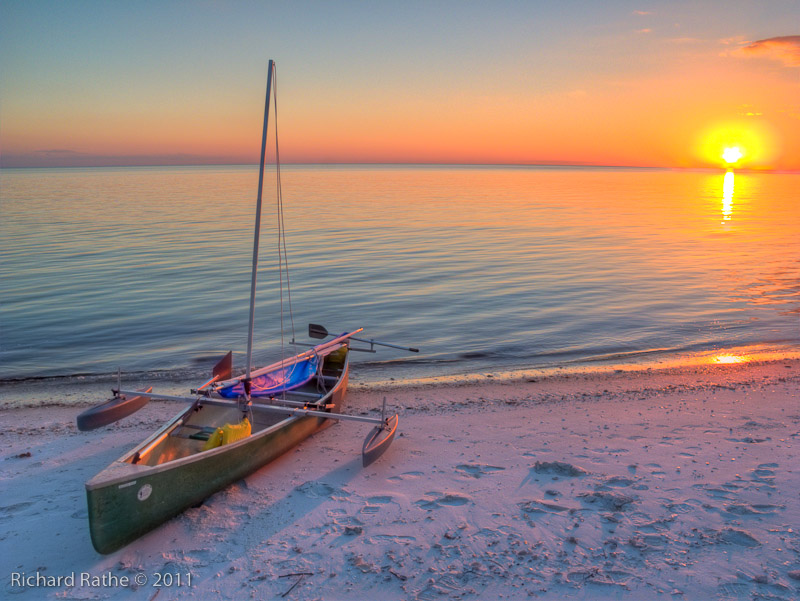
x,y
230,427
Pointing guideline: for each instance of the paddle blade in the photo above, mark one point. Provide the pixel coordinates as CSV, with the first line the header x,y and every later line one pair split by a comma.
x,y
378,440
111,411
317,331
224,368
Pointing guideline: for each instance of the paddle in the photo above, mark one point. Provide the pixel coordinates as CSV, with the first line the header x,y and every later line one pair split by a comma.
x,y
319,332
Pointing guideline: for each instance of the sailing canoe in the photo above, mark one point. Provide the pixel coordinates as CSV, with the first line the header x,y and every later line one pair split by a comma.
x,y
170,471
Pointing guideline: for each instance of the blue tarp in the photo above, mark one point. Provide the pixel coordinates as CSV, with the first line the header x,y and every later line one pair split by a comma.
x,y
275,382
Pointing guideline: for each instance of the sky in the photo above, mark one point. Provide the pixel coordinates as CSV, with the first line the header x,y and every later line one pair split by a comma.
x,y
635,83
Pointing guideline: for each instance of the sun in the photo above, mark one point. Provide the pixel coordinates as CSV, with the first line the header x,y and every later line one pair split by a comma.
x,y
737,143
732,154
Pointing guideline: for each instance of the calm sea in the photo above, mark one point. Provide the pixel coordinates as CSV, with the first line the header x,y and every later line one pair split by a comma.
x,y
486,269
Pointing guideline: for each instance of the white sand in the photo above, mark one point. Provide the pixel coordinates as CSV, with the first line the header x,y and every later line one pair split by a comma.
x,y
681,484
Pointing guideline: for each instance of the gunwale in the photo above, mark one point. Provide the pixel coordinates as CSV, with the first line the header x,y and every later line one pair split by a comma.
x,y
121,470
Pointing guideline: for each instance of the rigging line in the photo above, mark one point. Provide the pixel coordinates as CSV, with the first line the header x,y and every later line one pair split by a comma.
x,y
282,213
282,225
283,257
279,227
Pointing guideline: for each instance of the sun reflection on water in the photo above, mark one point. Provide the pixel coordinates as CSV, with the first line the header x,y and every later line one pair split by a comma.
x,y
727,196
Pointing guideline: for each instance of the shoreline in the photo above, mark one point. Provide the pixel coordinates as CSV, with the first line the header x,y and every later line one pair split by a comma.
x,y
677,483
84,391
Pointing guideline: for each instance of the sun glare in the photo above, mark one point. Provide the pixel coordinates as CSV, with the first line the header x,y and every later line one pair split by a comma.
x,y
728,359
737,144
732,154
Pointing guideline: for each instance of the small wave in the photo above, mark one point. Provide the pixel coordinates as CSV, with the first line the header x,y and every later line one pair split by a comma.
x,y
476,355
176,375
208,359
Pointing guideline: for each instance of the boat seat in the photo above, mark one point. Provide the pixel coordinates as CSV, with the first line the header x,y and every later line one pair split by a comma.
x,y
203,433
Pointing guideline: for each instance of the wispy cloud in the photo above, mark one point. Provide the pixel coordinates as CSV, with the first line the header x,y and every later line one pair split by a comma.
x,y
783,48
58,152
648,30
642,12
737,40
59,157
747,110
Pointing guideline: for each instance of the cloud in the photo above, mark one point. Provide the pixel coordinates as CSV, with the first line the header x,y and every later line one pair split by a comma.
x,y
60,157
642,12
737,40
783,48
58,152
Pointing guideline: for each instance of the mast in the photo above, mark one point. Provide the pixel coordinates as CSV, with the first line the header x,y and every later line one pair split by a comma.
x,y
257,233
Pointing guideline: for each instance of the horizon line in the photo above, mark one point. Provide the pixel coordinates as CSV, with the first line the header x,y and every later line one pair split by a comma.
x,y
410,164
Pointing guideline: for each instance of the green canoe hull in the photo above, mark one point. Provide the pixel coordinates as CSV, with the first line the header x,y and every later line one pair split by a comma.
x,y
126,501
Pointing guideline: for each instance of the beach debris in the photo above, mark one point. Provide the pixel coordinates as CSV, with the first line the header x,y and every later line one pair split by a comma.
x,y
301,575
353,530
535,506
364,566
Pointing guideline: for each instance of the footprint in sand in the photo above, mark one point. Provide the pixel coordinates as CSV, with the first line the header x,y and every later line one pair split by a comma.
x,y
558,468
405,476
608,501
374,503
614,482
733,590
476,470
656,469
437,499
686,506
8,512
764,474
737,537
754,509
380,499
393,538
316,490
716,491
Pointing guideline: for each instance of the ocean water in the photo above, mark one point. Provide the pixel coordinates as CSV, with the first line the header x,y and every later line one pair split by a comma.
x,y
485,269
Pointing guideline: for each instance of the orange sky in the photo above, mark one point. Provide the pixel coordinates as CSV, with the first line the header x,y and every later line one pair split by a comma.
x,y
669,86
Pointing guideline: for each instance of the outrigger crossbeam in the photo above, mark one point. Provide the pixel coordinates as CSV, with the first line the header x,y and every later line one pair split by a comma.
x,y
302,412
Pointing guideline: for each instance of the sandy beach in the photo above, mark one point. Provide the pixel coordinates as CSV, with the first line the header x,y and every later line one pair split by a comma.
x,y
641,484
